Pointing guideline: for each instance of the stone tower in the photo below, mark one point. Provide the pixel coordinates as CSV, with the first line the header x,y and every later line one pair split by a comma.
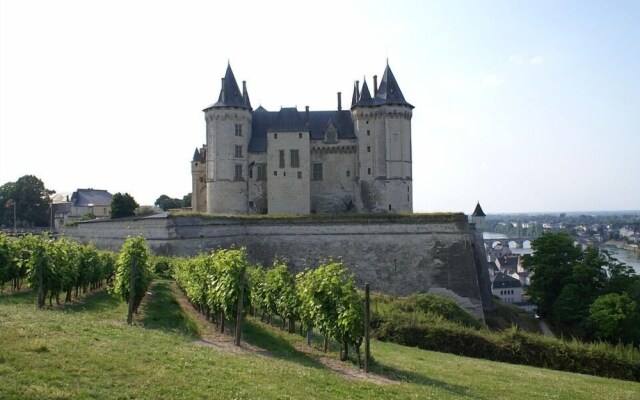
x,y
478,218
383,126
228,124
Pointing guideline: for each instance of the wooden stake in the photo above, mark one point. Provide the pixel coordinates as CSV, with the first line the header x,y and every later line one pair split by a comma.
x,y
239,316
132,295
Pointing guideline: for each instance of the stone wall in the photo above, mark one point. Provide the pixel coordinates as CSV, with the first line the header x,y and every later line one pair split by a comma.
x,y
397,255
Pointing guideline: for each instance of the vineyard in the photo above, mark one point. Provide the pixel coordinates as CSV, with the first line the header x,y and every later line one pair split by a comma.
x,y
222,285
53,267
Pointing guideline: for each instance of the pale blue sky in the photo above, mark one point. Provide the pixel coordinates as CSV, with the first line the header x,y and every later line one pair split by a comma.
x,y
525,106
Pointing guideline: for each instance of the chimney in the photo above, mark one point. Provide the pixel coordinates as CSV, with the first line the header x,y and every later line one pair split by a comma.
x,y
339,101
222,91
375,85
358,89
306,114
244,90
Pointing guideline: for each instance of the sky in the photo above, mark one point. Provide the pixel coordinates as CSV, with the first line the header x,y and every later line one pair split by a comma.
x,y
524,106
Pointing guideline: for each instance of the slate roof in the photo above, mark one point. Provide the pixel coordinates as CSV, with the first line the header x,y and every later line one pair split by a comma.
x,y
289,119
388,93
230,95
504,281
478,211
84,197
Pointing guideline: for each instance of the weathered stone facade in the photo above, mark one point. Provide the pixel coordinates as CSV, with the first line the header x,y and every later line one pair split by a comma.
x,y
401,256
300,162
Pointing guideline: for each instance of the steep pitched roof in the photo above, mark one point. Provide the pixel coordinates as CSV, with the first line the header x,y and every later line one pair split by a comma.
x,y
504,281
388,93
196,155
230,95
365,99
478,211
289,119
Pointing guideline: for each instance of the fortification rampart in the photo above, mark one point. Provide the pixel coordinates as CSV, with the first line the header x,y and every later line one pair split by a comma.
x,y
400,256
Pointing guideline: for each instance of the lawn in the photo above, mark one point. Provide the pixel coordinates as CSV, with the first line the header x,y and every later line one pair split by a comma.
x,y
85,350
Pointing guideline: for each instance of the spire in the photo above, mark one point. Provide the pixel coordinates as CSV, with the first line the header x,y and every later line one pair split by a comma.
x,y
356,93
230,95
196,155
478,211
365,97
245,95
389,92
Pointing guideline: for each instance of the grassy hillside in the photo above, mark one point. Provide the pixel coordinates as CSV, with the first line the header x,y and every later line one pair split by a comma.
x,y
87,351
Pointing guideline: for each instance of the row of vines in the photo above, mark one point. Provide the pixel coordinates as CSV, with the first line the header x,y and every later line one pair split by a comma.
x,y
53,267
323,299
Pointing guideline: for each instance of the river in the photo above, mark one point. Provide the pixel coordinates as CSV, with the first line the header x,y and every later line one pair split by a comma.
x,y
628,257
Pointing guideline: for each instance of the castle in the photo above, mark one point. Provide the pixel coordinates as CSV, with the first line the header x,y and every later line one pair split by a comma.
x,y
301,162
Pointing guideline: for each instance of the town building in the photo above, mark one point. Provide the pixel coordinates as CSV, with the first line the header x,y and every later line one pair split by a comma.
x,y
300,162
81,203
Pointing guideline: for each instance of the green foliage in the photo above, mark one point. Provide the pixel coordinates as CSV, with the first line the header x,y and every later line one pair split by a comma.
x,y
329,302
134,258
551,265
165,202
186,200
513,346
230,267
31,200
123,205
576,289
615,317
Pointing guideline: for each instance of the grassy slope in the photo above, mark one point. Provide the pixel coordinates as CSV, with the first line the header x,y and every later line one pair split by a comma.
x,y
85,351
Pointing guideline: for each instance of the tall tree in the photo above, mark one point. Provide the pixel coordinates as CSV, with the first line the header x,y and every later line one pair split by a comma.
x,y
186,200
123,205
31,199
552,265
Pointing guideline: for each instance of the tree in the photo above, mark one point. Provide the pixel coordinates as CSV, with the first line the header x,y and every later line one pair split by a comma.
x,y
615,317
165,202
186,200
31,200
552,266
123,205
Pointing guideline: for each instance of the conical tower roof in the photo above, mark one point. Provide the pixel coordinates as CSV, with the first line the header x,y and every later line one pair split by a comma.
x,y
230,95
365,97
389,91
478,211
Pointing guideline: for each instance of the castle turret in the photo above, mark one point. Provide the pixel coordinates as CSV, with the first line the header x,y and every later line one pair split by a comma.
x,y
228,134
383,125
478,217
199,180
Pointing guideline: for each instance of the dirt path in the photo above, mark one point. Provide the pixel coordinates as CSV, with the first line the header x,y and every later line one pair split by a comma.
x,y
210,336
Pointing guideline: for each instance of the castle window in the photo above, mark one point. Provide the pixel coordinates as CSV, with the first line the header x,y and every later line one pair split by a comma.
x,y
316,172
238,153
275,135
300,135
238,173
284,173
348,173
295,158
368,132
250,172
275,173
238,130
281,158
368,171
262,172
299,174
368,149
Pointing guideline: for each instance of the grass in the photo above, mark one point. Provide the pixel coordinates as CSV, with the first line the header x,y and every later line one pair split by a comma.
x,y
87,351
351,216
